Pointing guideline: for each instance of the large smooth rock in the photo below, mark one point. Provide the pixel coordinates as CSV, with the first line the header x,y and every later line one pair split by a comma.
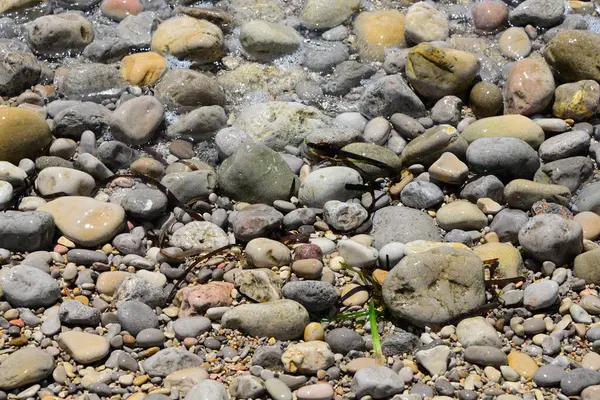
x,y
86,221
327,184
23,134
183,90
434,286
26,231
551,237
25,286
587,266
136,121
268,40
256,174
522,193
503,156
56,180
403,225
91,82
574,55
578,100
84,348
436,72
26,366
570,172
52,35
286,319
529,88
425,23
516,126
277,124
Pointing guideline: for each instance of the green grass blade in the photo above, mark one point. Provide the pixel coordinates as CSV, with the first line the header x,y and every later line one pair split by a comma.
x,y
375,333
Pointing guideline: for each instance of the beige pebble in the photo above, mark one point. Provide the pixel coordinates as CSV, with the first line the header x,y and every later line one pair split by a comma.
x,y
514,43
590,222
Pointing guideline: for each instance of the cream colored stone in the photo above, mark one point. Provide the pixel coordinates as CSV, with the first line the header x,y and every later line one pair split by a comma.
x,y
461,214
86,221
514,43
56,180
85,348
189,38
308,357
489,206
590,222
449,169
425,23
108,281
419,246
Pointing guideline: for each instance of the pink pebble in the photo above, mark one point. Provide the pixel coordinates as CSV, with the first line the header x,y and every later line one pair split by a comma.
x,y
119,9
489,15
60,249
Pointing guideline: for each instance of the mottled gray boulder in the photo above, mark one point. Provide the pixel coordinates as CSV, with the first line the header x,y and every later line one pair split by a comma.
x,y
75,312
434,286
183,90
277,124
542,13
29,287
570,172
346,76
390,95
286,319
86,116
504,156
551,237
256,174
379,382
134,287
19,70
402,224
52,35
315,296
26,231
91,81
170,360
485,186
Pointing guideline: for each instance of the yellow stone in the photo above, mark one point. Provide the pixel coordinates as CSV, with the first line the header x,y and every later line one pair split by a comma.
x,y
581,7
189,38
83,299
143,69
138,395
86,221
140,380
66,242
23,134
516,126
378,30
523,364
379,275
590,222
419,246
510,262
360,363
314,331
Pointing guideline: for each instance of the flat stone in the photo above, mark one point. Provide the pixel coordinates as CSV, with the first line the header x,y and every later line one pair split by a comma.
x,y
376,381
169,360
85,348
24,367
86,221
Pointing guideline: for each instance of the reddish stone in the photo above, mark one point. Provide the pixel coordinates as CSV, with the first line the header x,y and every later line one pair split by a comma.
x,y
529,88
489,15
308,251
119,9
196,300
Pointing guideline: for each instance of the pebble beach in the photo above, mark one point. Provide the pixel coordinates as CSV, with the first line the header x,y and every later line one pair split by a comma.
x,y
300,199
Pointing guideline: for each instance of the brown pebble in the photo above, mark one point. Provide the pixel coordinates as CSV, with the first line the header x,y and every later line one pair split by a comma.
x,y
128,340
19,341
182,149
